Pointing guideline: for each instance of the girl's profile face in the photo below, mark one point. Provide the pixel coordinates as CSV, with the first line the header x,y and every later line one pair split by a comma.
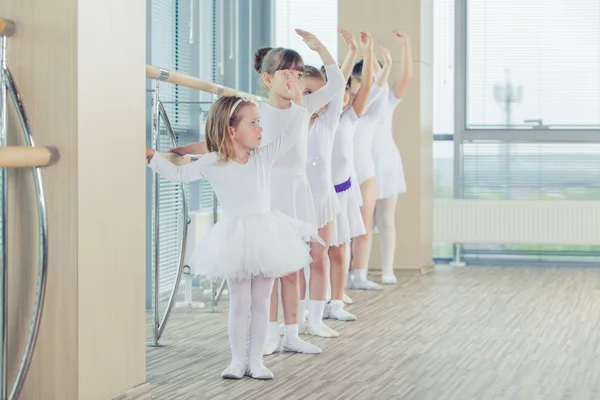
x,y
312,84
277,83
351,91
248,133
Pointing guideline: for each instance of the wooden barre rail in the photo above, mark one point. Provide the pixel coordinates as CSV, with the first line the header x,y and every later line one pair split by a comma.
x,y
178,78
26,156
7,27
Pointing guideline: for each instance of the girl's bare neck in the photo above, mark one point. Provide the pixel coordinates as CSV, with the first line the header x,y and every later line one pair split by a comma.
x,y
279,102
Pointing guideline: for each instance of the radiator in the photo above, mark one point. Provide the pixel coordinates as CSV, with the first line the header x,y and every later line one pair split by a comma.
x,y
513,222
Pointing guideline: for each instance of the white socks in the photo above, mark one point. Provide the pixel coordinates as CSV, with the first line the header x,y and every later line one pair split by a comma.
x,y
360,274
302,313
290,333
315,312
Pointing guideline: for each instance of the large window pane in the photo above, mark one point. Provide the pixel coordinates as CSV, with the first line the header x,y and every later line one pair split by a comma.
x,y
533,60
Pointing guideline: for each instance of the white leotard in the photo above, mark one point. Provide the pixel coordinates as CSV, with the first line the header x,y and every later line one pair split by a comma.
x,y
290,190
389,172
363,137
318,167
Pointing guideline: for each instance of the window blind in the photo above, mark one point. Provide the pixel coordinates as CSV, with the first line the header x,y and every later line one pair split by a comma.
x,y
531,171
319,17
533,60
172,47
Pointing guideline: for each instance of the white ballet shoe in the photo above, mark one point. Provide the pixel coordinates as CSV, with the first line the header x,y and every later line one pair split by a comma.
x,y
257,370
301,327
300,346
349,280
234,371
271,345
389,279
335,310
346,299
365,284
321,330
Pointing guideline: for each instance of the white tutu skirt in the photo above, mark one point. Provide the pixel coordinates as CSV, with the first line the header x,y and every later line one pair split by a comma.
x,y
327,206
241,247
348,222
291,195
389,172
355,189
390,183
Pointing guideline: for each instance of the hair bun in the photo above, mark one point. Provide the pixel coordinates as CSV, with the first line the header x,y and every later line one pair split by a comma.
x,y
259,56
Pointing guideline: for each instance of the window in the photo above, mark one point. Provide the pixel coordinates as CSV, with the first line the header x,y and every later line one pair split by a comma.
x,y
531,171
532,60
175,44
319,17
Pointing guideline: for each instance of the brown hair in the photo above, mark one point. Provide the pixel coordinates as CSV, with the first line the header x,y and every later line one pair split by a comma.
x,y
218,124
271,60
312,72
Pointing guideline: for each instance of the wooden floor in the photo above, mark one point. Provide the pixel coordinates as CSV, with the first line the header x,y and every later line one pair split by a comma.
x,y
470,333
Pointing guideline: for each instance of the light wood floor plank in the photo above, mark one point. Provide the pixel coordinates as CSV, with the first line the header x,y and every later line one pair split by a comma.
x,y
470,333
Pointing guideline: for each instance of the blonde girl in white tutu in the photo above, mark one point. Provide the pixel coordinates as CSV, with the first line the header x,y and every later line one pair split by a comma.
x,y
252,244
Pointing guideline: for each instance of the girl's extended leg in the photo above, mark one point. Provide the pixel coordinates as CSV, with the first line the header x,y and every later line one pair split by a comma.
x,y
272,340
290,296
385,219
361,244
335,309
239,308
318,285
259,322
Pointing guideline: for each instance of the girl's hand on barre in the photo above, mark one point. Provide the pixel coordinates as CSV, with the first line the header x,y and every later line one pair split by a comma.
x,y
149,154
180,151
311,40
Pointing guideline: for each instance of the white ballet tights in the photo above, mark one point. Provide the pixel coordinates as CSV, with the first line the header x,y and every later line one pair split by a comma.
x,y
385,211
248,297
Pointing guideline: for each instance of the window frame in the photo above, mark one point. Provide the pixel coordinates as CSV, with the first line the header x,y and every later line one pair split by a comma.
x,y
463,134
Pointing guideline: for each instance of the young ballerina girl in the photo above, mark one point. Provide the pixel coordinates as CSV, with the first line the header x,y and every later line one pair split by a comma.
x,y
389,173
290,190
365,172
348,222
323,125
252,244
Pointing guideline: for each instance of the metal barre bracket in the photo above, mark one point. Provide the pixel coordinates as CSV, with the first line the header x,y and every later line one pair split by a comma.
x,y
164,75
7,27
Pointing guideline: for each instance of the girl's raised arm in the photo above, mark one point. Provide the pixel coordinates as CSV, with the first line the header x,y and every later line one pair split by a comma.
x,y
335,78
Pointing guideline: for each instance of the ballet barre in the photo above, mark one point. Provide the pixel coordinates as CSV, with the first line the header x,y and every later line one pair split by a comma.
x,y
177,78
7,27
34,157
177,159
26,156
